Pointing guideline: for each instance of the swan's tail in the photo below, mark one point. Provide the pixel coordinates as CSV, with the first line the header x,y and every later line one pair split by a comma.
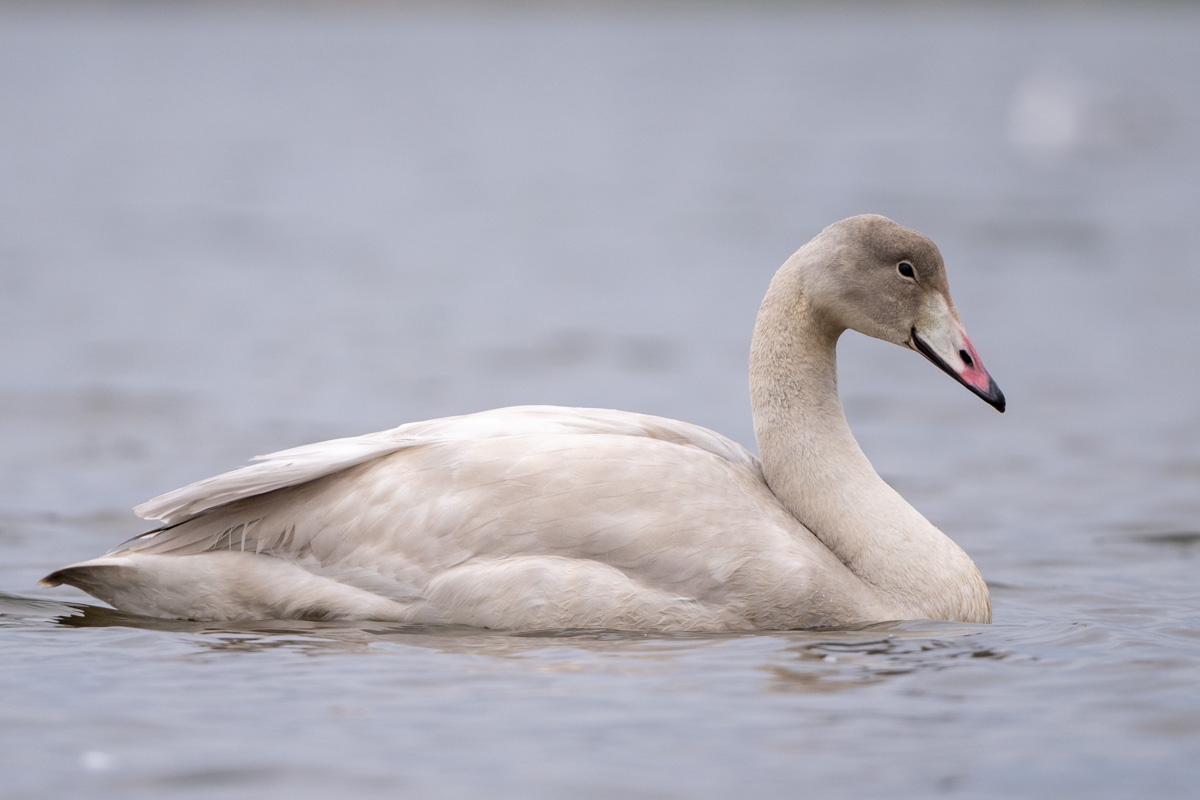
x,y
85,576
223,585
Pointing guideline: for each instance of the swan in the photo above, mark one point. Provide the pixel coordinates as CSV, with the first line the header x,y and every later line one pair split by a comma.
x,y
542,517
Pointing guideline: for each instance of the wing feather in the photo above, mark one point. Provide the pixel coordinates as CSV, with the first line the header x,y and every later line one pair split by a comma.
x,y
273,471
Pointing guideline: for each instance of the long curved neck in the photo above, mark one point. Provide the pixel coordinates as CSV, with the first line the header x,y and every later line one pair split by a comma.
x,y
815,467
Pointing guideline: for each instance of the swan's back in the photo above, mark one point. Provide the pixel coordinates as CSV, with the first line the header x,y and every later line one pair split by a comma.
x,y
299,465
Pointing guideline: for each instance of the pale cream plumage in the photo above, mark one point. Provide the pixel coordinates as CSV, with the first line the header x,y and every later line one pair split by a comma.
x,y
544,517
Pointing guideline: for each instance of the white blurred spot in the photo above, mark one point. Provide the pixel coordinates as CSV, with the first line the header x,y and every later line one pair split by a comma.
x,y
1048,114
96,761
1059,114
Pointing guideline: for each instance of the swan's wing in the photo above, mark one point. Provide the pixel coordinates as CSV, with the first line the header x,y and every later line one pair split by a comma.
x,y
300,465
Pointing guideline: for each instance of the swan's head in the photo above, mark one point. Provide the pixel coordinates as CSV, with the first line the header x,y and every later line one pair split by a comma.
x,y
882,279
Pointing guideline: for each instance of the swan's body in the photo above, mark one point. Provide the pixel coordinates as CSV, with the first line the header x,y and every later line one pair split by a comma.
x,y
543,517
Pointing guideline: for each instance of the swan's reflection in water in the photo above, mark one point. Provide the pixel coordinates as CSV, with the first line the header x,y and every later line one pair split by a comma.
x,y
793,661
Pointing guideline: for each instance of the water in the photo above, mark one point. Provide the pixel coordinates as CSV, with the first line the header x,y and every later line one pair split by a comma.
x,y
227,230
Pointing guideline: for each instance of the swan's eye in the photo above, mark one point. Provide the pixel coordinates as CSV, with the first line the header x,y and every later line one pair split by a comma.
x,y
906,270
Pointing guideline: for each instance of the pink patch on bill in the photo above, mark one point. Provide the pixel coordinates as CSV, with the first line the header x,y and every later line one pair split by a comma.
x,y
973,373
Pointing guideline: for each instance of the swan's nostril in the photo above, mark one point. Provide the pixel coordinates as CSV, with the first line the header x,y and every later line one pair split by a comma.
x,y
966,357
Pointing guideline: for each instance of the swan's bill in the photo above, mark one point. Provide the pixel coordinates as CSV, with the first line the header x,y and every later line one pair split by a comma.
x,y
969,370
